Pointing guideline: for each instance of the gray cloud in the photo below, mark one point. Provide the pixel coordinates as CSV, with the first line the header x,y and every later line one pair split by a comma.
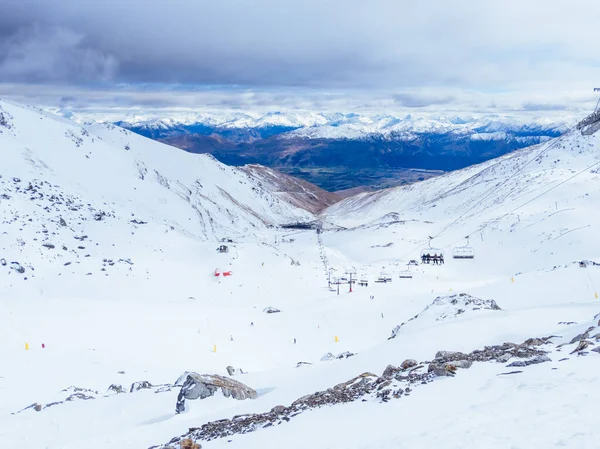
x,y
309,43
382,53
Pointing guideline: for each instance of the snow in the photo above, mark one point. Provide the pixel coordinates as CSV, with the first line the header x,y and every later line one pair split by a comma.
x,y
529,216
337,125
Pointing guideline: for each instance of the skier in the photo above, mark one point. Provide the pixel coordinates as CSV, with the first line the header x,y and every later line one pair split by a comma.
x,y
231,337
251,323
435,259
441,259
294,340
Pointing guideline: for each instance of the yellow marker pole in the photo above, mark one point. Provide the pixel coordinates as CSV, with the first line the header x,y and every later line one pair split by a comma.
x,y
26,346
215,348
337,339
596,295
512,279
450,289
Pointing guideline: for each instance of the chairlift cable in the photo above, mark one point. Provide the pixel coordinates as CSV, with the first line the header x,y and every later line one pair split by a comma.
x,y
496,187
482,227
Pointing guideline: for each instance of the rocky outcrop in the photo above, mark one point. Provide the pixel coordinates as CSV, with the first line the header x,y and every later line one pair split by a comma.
x,y
201,386
394,383
448,307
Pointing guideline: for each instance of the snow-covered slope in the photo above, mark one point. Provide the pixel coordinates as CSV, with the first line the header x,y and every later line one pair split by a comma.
x,y
530,221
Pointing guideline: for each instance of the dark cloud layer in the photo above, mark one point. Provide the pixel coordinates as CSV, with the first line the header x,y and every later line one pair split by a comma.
x,y
398,45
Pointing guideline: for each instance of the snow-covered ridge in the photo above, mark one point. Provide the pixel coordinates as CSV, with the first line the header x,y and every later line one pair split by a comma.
x,y
322,125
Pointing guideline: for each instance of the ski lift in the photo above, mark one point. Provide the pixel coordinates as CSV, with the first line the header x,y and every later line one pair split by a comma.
x,y
431,254
363,282
223,249
384,278
463,252
406,274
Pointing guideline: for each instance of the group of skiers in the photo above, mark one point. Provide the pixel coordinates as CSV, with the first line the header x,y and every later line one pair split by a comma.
x,y
437,260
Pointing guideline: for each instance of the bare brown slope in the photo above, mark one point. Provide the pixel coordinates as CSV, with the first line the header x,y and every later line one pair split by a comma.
x,y
293,190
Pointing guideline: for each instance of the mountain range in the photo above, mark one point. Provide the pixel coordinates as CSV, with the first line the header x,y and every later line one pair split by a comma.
x,y
324,148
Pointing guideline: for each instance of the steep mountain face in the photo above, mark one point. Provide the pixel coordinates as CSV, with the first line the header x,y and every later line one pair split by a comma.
x,y
346,141
295,191
91,195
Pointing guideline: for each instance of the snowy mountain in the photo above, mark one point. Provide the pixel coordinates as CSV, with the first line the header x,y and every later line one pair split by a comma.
x,y
371,147
146,351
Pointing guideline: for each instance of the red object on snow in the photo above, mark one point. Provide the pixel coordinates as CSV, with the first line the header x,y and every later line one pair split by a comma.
x,y
217,272
226,273
43,345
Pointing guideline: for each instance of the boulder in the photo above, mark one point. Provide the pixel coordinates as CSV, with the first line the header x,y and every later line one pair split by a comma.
x,y
271,310
201,386
504,357
115,388
441,369
533,361
390,371
408,363
142,385
327,357
181,379
189,444
448,356
230,370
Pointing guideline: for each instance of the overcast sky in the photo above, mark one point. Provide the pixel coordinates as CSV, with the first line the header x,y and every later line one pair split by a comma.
x,y
311,54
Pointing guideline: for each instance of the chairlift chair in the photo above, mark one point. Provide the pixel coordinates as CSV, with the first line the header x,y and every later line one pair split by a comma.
x,y
463,252
431,252
406,274
384,278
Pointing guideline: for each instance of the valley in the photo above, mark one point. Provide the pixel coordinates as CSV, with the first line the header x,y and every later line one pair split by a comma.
x,y
113,292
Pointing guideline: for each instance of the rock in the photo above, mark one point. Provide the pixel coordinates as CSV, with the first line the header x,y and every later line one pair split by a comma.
x,y
408,363
504,357
201,386
300,364
278,409
395,331
38,407
143,385
62,221
48,245
345,355
3,262
533,361
181,379
327,357
448,356
230,370
581,346
463,364
441,369
390,371
271,310
189,444
115,388
583,336
597,349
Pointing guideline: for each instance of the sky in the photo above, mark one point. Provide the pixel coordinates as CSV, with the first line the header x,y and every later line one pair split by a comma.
x,y
463,55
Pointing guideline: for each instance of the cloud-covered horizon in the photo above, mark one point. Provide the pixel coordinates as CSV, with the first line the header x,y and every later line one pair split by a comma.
x,y
406,54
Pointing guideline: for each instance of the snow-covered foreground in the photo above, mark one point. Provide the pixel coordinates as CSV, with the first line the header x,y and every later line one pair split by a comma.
x,y
152,308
